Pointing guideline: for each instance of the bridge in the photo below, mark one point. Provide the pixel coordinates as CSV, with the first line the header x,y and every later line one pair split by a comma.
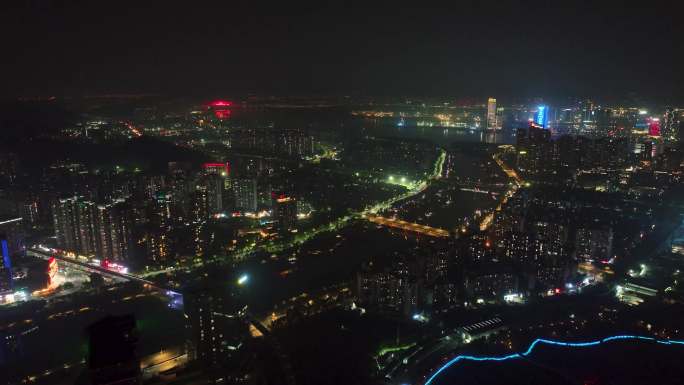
x,y
408,226
91,268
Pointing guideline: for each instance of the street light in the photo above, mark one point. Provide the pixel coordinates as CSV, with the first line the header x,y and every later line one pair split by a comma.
x,y
243,279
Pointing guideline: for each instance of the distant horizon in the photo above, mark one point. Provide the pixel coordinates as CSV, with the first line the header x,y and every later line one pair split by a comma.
x,y
450,99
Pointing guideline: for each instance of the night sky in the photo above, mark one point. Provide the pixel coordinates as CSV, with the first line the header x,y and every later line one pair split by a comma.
x,y
475,48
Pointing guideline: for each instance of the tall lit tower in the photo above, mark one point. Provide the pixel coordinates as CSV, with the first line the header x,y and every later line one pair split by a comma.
x,y
491,114
541,117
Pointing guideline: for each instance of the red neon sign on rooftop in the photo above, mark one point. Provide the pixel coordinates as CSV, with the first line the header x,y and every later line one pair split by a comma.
x,y
217,166
221,103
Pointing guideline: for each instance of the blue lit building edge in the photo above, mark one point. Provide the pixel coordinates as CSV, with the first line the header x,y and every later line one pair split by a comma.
x,y
7,262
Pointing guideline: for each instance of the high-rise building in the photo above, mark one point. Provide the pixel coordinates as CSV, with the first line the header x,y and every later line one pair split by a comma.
x,y
209,196
492,122
163,209
654,127
221,169
75,225
215,186
8,168
86,228
285,212
215,323
541,117
158,246
11,229
113,231
5,268
200,203
594,244
535,150
670,124
245,190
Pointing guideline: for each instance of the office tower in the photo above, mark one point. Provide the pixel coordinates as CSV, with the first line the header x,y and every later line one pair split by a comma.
x,y
492,123
285,212
112,358
245,190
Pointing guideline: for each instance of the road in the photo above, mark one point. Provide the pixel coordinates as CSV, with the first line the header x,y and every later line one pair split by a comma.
x,y
512,189
408,226
92,268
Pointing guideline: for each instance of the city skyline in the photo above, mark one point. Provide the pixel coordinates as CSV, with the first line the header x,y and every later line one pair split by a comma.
x,y
222,193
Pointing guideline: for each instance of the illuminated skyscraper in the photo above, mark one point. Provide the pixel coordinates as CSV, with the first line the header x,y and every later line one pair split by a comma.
x,y
541,118
285,212
654,127
670,124
245,191
492,123
208,196
86,228
75,225
113,231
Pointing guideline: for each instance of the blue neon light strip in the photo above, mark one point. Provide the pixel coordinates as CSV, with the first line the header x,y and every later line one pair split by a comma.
x,y
7,262
548,342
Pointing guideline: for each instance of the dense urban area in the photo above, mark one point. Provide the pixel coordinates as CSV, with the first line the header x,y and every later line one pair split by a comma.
x,y
340,240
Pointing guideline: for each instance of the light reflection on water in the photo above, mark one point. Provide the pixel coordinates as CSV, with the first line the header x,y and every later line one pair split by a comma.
x,y
437,135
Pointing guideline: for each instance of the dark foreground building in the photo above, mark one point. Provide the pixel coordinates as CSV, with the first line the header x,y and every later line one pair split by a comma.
x,y
112,356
